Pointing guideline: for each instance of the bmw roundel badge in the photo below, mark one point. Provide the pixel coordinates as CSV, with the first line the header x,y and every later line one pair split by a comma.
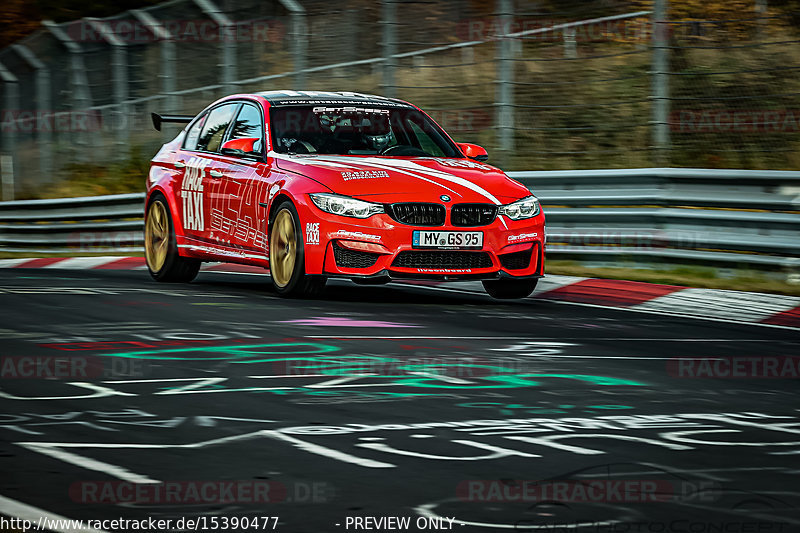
x,y
444,198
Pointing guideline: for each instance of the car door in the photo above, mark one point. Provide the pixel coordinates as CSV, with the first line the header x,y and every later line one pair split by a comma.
x,y
185,196
202,180
241,162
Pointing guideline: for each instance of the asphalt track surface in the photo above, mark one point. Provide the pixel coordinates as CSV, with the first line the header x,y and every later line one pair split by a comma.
x,y
397,400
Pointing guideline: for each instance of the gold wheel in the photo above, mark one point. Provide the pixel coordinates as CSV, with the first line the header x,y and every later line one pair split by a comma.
x,y
282,248
156,236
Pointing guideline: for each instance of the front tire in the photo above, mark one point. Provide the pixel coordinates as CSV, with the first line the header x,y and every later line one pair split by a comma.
x,y
287,256
509,289
161,248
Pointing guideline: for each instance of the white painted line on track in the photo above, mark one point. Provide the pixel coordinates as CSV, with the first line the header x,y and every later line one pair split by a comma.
x,y
427,511
326,452
675,471
732,305
23,511
391,337
637,309
535,339
88,463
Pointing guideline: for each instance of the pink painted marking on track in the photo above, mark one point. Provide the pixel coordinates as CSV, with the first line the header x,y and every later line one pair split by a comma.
x,y
347,322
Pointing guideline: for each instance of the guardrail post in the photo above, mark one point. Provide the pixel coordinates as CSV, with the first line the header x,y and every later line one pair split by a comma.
x,y
761,13
504,94
166,46
660,73
119,69
389,45
570,43
227,42
81,96
44,111
299,39
7,176
10,106
229,58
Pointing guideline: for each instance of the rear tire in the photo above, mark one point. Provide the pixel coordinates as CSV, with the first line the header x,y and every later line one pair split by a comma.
x,y
509,289
161,248
287,256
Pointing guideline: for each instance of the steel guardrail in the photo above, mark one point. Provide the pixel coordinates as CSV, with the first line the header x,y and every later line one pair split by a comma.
x,y
628,217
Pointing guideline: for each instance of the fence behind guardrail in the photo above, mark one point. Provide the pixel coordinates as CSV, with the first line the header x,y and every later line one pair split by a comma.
x,y
547,85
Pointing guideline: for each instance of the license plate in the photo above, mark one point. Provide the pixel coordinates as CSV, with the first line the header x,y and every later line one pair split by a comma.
x,y
448,239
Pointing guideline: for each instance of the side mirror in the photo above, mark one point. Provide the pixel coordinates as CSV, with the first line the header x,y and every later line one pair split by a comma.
x,y
473,151
243,147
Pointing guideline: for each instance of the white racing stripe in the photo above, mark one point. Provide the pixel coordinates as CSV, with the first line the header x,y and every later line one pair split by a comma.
x,y
317,161
410,166
311,161
402,166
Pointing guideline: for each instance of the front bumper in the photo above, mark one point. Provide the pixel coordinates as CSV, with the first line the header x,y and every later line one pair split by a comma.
x,y
378,249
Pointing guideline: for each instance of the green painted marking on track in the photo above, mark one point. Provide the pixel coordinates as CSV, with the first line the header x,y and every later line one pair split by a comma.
x,y
403,373
231,352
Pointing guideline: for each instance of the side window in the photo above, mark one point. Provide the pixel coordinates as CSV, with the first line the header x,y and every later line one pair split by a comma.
x,y
249,124
215,126
194,133
424,140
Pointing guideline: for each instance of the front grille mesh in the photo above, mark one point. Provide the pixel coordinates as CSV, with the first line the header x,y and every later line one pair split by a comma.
x,y
417,214
516,260
473,214
448,259
353,258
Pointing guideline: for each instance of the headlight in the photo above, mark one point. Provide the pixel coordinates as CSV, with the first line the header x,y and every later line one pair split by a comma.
x,y
528,207
345,206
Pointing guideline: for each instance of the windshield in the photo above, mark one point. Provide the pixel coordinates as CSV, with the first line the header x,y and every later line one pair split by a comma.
x,y
357,130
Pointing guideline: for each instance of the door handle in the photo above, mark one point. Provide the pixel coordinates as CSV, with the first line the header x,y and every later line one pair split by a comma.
x,y
215,173
180,164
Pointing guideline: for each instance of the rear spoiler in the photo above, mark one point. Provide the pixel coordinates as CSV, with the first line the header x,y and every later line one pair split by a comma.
x,y
179,119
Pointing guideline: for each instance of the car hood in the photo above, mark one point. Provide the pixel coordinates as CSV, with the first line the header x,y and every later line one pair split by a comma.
x,y
397,179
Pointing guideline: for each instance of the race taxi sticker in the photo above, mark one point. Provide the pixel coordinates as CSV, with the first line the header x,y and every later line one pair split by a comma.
x,y
312,233
192,194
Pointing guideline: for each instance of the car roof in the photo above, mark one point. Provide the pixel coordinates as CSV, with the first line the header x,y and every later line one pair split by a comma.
x,y
290,98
